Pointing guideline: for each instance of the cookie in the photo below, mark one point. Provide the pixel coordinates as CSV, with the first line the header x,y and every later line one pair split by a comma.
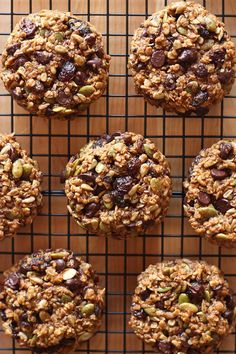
x,y
118,185
20,187
54,64
210,200
182,59
182,306
51,302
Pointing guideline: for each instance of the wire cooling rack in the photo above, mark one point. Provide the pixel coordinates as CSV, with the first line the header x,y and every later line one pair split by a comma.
x,y
52,142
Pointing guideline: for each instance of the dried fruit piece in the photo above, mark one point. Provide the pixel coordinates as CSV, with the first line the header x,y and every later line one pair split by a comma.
x,y
188,56
91,209
199,98
170,82
158,59
13,281
226,151
43,57
201,70
219,175
66,72
204,198
28,27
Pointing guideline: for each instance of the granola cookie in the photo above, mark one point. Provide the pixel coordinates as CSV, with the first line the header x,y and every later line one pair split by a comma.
x,y
210,201
182,59
54,64
20,192
118,185
51,302
182,306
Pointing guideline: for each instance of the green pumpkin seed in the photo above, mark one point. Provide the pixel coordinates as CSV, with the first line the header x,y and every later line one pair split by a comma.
x,y
33,340
57,255
165,17
183,298
150,311
87,90
17,169
208,212
207,295
66,298
27,169
202,316
88,309
188,307
148,150
85,336
163,290
182,30
59,36
221,236
210,23
167,271
86,187
108,205
155,184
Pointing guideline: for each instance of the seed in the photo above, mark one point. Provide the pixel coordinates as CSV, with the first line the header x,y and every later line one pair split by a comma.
x,y
69,273
108,205
182,30
58,109
221,236
151,311
100,167
27,168
202,316
208,44
183,298
93,165
44,316
33,340
60,49
86,187
17,169
57,255
207,295
133,190
36,280
208,212
28,200
155,184
148,150
85,336
88,309
144,170
188,307
163,290
66,298
87,90
210,23
59,36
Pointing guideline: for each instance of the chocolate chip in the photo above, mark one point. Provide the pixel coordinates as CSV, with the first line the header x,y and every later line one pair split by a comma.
x,y
196,292
204,33
60,265
24,268
64,99
201,70
204,198
123,184
87,177
95,63
38,88
13,48
230,301
80,78
219,174
141,66
225,75
18,94
133,166
218,56
91,209
226,151
43,57
202,111
66,72
118,199
28,27
144,295
90,39
140,314
228,315
73,284
222,205
20,61
99,189
199,98
158,58
165,347
170,82
188,56
13,281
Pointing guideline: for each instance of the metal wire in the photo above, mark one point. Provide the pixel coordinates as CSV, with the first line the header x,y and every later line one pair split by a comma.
x,y
118,263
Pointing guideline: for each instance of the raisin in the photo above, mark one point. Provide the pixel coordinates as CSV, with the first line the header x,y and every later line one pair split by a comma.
x,y
38,88
140,314
88,177
229,315
90,39
145,294
11,50
196,292
13,281
118,199
84,29
24,268
225,75
80,78
204,33
218,56
133,166
66,72
64,99
123,184
165,347
95,63
20,61
17,94
28,27
188,56
43,57
158,58
199,98
226,151
91,209
201,70
170,82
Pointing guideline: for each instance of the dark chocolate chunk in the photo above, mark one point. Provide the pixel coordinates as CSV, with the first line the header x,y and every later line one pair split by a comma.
x,y
95,63
188,56
204,198
66,72
201,70
64,99
133,166
222,205
170,82
145,294
13,281
73,284
91,209
60,265
160,305
204,33
225,76
158,58
13,48
80,78
196,292
219,174
28,27
118,199
218,56
226,151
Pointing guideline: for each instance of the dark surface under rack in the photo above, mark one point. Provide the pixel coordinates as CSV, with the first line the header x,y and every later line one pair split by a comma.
x,y
52,142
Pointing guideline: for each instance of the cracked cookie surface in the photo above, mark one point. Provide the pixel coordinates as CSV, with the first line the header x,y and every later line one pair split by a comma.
x,y
182,59
54,64
210,200
51,302
20,187
118,185
182,307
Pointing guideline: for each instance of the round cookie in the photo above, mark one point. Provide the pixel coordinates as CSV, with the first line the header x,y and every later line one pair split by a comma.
x,y
51,302
54,64
182,59
182,306
210,200
118,185
20,187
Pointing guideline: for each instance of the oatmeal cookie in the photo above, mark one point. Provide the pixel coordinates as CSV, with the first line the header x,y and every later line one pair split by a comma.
x,y
182,306
118,185
210,201
182,59
51,302
54,64
20,182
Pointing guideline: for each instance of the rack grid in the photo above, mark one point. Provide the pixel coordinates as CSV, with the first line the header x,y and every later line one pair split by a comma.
x,y
52,142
